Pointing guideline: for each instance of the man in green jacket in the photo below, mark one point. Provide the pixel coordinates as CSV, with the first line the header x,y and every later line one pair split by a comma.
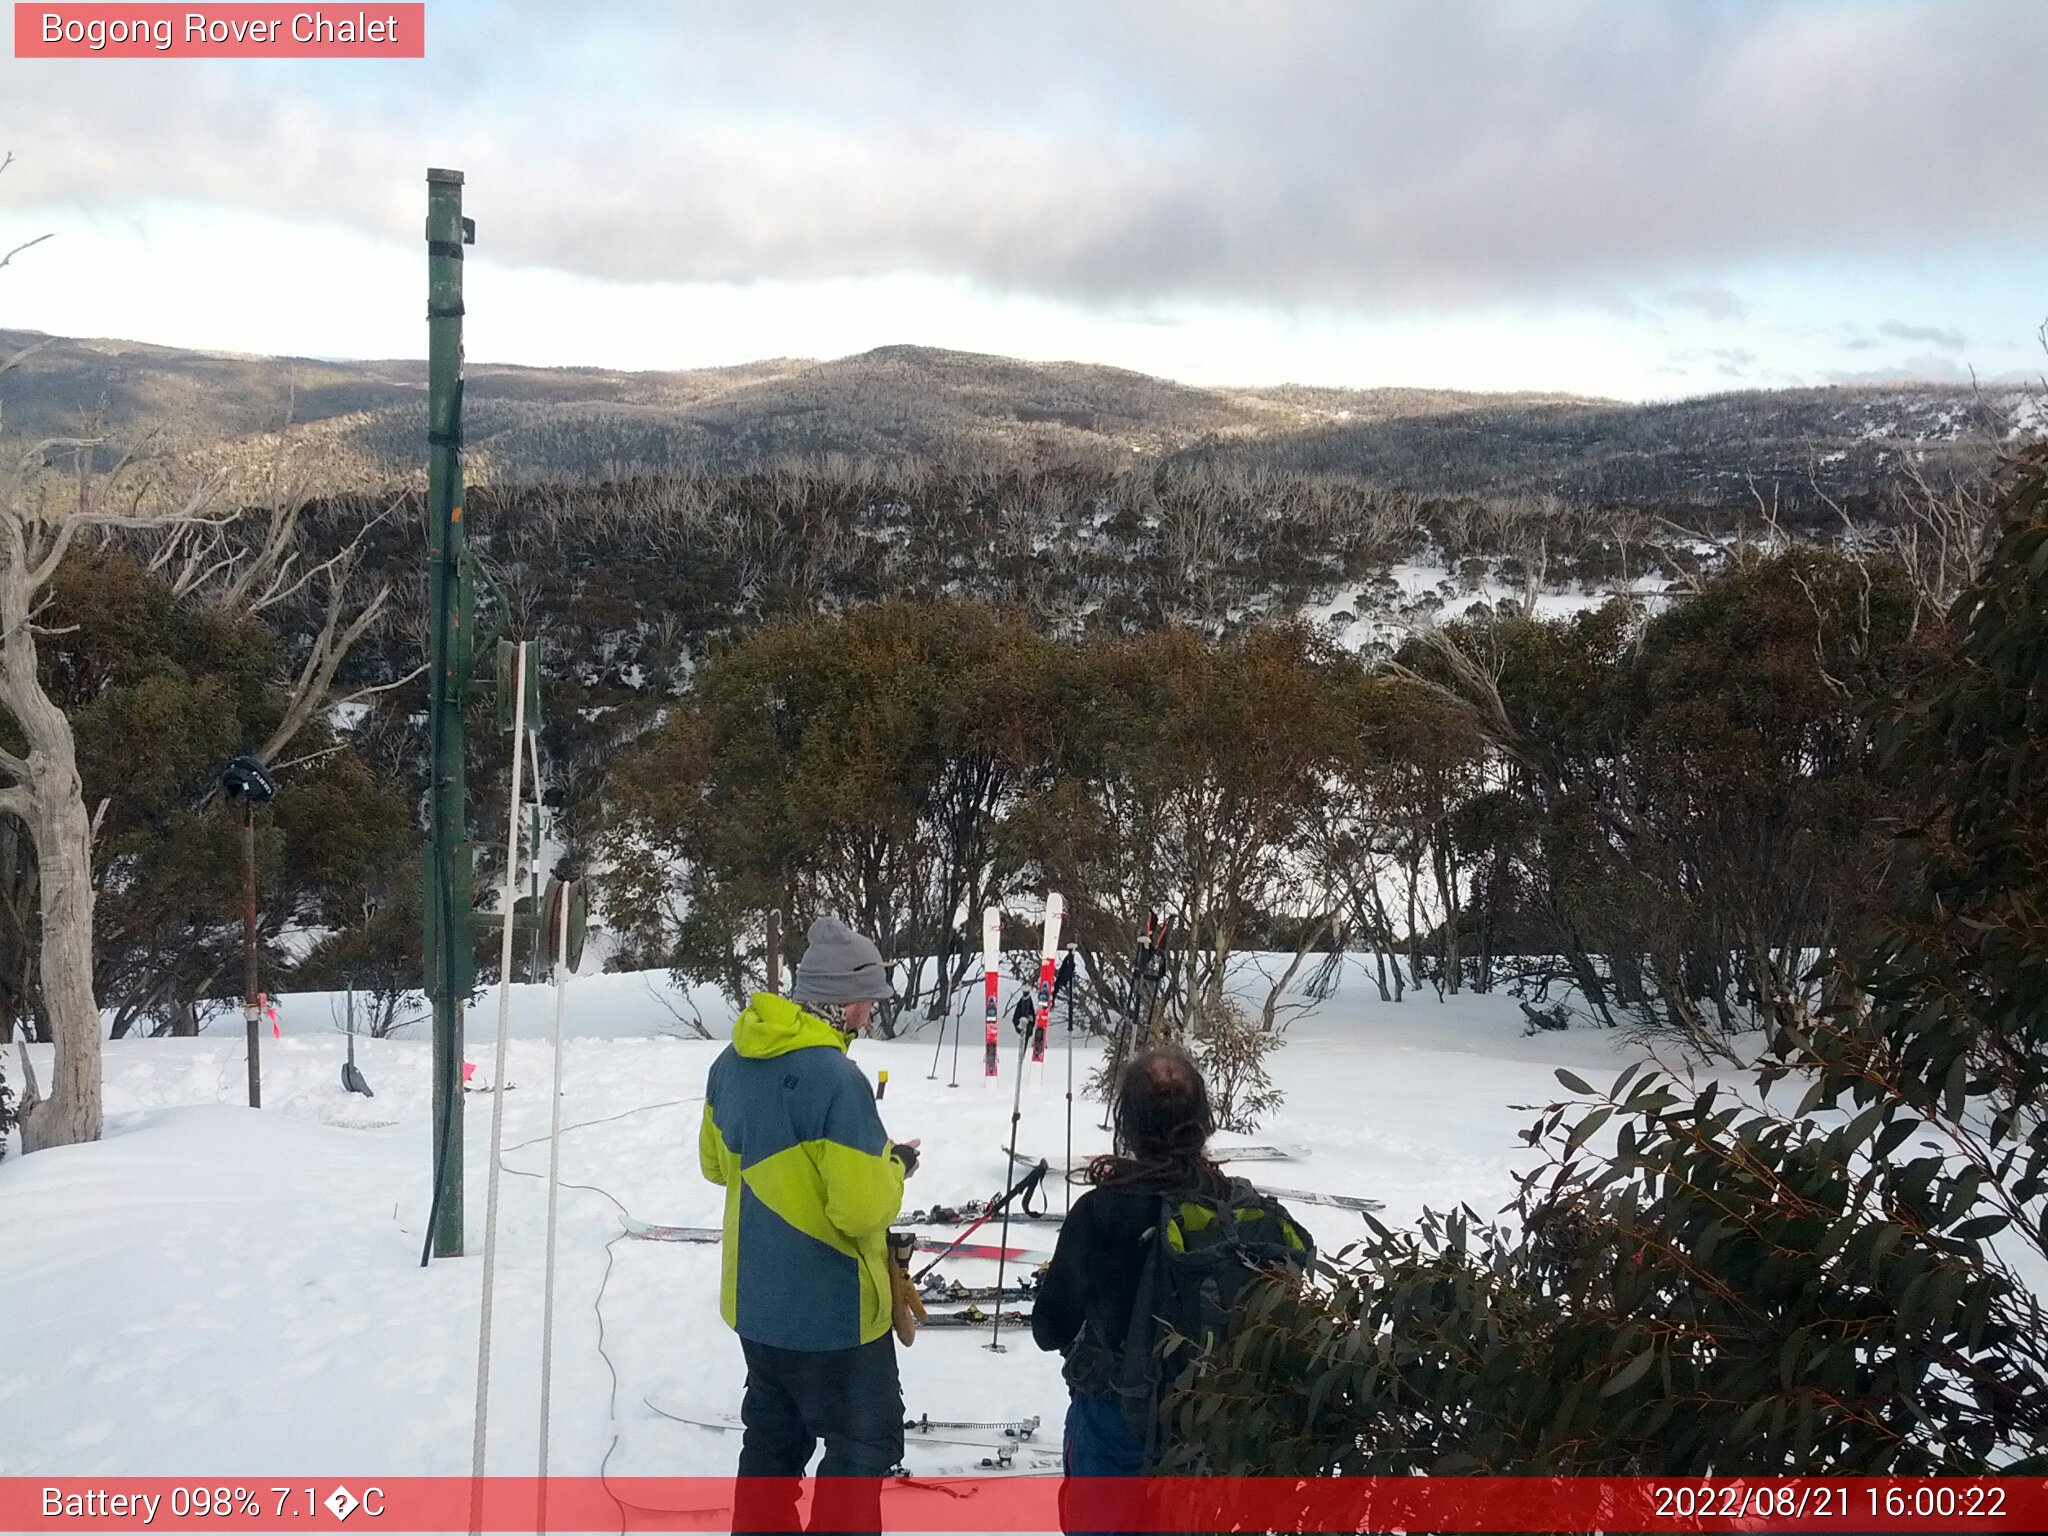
x,y
812,1182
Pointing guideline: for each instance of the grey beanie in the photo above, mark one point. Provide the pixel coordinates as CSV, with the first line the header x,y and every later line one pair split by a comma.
x,y
839,967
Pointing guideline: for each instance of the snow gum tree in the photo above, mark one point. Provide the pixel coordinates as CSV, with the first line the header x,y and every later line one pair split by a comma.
x,y
1694,805
53,494
1186,785
859,767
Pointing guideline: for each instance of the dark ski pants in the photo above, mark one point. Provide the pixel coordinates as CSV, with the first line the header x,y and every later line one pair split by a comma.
x,y
849,1398
1098,1444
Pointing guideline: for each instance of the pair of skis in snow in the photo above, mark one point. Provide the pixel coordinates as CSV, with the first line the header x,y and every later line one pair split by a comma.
x,y
1001,1438
991,964
1220,1154
1305,1196
655,1233
973,1210
942,1290
972,1316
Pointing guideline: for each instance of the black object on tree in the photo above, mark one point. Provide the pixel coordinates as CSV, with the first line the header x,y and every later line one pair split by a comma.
x,y
248,782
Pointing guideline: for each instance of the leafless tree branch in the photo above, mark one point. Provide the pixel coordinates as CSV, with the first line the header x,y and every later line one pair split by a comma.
x,y
25,245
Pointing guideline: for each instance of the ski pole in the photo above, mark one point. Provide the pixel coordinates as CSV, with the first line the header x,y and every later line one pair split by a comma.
x,y
1026,1185
959,1023
1140,963
945,992
939,1044
1003,1254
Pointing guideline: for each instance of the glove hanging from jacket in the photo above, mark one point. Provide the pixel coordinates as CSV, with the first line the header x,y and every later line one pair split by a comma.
x,y
906,1306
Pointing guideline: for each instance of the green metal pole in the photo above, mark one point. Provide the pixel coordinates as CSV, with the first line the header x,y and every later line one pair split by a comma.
x,y
450,957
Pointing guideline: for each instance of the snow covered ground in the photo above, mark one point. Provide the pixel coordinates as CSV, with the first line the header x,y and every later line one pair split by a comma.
x,y
215,1291
1413,593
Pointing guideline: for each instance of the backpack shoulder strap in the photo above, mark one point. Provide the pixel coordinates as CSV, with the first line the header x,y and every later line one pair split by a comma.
x,y
1238,1190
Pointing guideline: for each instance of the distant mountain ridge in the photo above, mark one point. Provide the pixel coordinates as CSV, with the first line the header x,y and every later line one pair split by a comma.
x,y
367,421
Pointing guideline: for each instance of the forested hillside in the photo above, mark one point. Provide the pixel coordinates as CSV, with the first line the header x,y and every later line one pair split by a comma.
x,y
364,422
1089,507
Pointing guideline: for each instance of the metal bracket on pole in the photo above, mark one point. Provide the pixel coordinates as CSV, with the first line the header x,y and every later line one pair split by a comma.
x,y
504,685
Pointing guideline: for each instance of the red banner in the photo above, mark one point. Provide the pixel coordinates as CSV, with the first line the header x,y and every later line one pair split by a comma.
x,y
1028,1502
357,31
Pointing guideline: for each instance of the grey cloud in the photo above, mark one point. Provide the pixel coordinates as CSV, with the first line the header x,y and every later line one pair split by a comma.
x,y
1926,367
1715,303
1932,335
1306,153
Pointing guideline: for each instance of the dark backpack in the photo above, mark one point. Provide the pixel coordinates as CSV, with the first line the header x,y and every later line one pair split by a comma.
x,y
1206,1252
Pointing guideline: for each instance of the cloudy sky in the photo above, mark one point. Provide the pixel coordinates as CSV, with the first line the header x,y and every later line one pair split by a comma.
x,y
1618,197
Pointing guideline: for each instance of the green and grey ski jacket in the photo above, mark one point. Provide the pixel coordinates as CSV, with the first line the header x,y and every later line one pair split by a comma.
x,y
790,1130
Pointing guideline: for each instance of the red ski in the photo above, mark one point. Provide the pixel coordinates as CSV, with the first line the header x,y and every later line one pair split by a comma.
x,y
983,1251
1048,963
991,960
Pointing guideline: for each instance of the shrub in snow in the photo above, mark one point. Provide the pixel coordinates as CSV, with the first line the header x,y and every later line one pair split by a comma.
x,y
1231,1049
1720,1288
1694,1283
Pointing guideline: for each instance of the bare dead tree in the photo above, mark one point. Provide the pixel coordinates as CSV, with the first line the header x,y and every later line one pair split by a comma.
x,y
1942,534
215,563
6,256
41,515
1277,1008
51,493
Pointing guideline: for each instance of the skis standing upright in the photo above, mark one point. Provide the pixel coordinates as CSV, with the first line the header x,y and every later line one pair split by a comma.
x,y
991,963
1048,964
1148,969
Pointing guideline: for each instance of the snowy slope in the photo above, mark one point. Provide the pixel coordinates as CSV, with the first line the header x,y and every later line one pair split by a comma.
x,y
213,1290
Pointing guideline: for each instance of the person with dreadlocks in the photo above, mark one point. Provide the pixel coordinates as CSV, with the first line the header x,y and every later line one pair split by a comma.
x,y
1162,1229
812,1182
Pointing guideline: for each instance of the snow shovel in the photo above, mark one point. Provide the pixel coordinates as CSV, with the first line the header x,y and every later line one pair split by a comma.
x,y
351,1079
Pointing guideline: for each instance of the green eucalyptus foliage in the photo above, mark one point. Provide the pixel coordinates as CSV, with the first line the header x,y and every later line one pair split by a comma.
x,y
1951,1026
161,693
1697,1282
855,766
1724,1289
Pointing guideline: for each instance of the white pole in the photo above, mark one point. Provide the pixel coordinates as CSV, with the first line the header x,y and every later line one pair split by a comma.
x,y
547,1305
483,1341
